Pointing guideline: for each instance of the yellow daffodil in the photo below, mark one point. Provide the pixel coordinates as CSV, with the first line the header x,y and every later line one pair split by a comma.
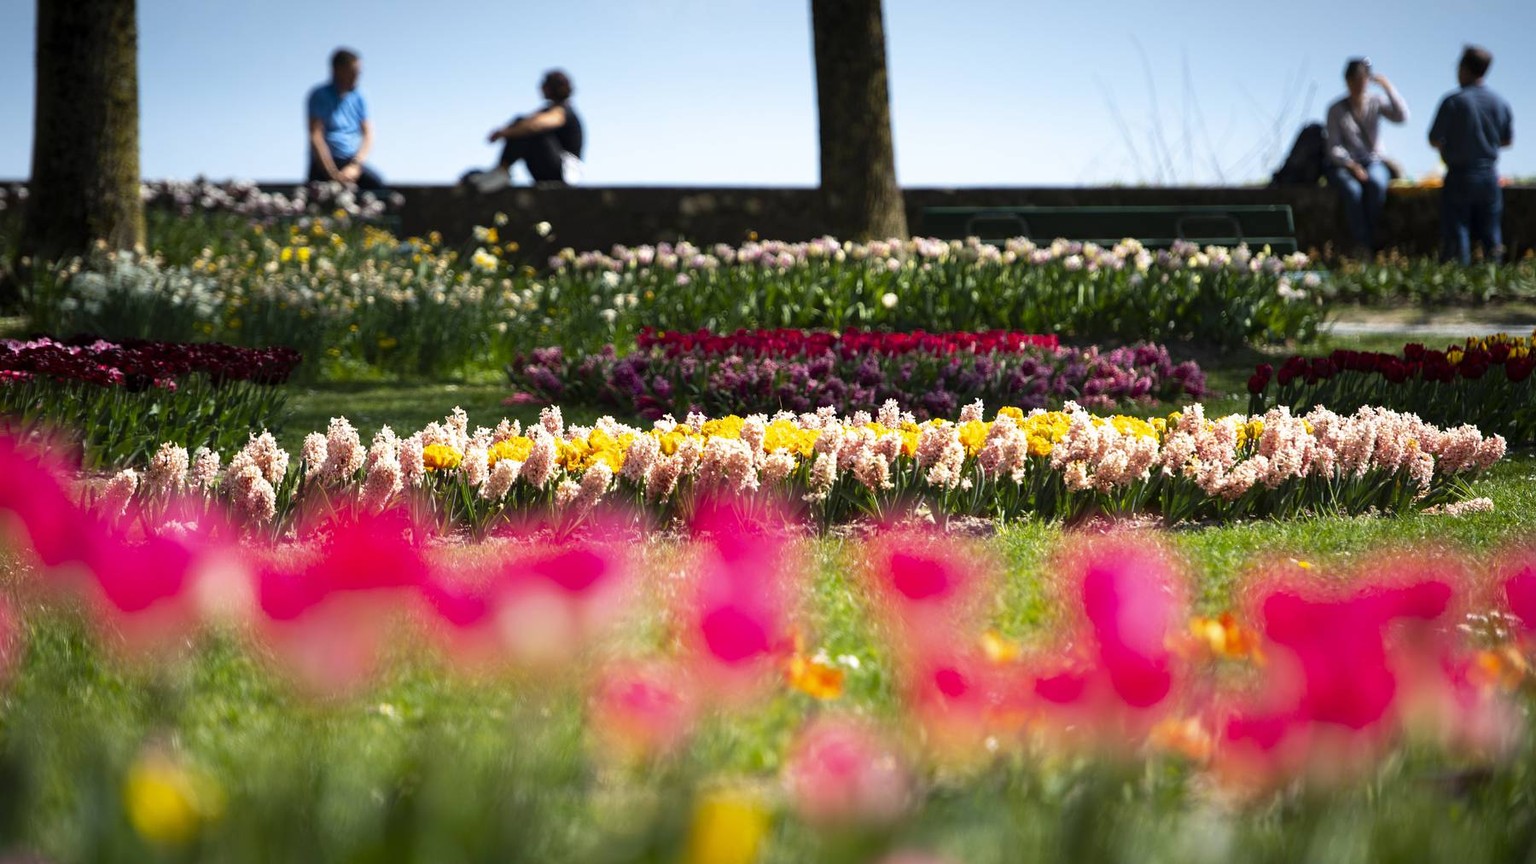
x,y
440,457
517,449
973,434
572,455
1134,427
723,427
784,435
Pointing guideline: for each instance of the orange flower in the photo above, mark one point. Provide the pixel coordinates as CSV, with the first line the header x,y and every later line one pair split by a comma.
x,y
814,678
1504,667
1187,737
1226,639
999,648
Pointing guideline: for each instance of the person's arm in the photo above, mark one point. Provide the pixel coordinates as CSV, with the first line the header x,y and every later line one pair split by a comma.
x,y
544,121
354,169
1396,109
322,150
1507,134
1437,128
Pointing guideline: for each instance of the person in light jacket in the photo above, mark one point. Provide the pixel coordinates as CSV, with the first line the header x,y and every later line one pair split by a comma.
x,y
1355,166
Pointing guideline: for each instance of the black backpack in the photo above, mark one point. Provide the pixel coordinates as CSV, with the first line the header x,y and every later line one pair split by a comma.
x,y
1304,167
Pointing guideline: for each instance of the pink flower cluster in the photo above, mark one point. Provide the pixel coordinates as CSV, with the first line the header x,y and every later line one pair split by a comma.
x,y
1320,444
1312,678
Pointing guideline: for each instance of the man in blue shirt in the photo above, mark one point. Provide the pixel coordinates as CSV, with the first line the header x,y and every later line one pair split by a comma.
x,y
1469,129
340,135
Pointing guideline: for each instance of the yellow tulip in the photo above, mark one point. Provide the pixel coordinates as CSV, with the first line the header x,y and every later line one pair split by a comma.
x,y
167,802
728,828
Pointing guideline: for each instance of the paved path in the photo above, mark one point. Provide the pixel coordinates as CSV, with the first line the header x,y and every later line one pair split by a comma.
x,y
1451,329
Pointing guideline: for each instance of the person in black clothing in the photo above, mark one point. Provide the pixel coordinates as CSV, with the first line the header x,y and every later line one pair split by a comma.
x,y
1470,128
548,141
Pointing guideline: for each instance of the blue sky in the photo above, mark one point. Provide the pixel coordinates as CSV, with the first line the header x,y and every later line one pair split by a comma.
x,y
984,92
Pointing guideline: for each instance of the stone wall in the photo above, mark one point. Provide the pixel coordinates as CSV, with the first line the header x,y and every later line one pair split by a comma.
x,y
598,218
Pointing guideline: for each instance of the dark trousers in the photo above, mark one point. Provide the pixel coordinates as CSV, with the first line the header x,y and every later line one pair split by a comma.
x,y
541,153
369,180
1471,211
1363,202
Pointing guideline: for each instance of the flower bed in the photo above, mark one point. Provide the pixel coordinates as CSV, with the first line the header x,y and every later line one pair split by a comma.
x,y
1486,382
849,343
1395,279
769,370
360,299
1049,465
1084,291
245,199
120,401
346,302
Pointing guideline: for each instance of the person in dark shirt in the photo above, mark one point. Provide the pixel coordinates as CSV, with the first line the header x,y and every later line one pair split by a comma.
x,y
548,141
1470,127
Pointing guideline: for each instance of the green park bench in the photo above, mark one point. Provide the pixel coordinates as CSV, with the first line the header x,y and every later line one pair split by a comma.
x,y
1157,227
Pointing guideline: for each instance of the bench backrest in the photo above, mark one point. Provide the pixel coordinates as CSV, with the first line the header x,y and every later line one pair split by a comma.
x,y
1155,226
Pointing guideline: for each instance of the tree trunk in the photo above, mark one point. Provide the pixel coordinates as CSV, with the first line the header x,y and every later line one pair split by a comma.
x,y
85,136
858,161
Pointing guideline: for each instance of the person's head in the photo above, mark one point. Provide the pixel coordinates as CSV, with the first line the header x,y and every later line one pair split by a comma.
x,y
556,86
345,67
1474,65
1357,74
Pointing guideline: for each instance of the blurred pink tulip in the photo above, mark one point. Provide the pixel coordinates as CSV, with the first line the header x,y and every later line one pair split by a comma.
x,y
842,771
642,710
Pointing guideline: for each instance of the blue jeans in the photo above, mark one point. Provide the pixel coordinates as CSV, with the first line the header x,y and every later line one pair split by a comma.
x,y
1363,202
1471,210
